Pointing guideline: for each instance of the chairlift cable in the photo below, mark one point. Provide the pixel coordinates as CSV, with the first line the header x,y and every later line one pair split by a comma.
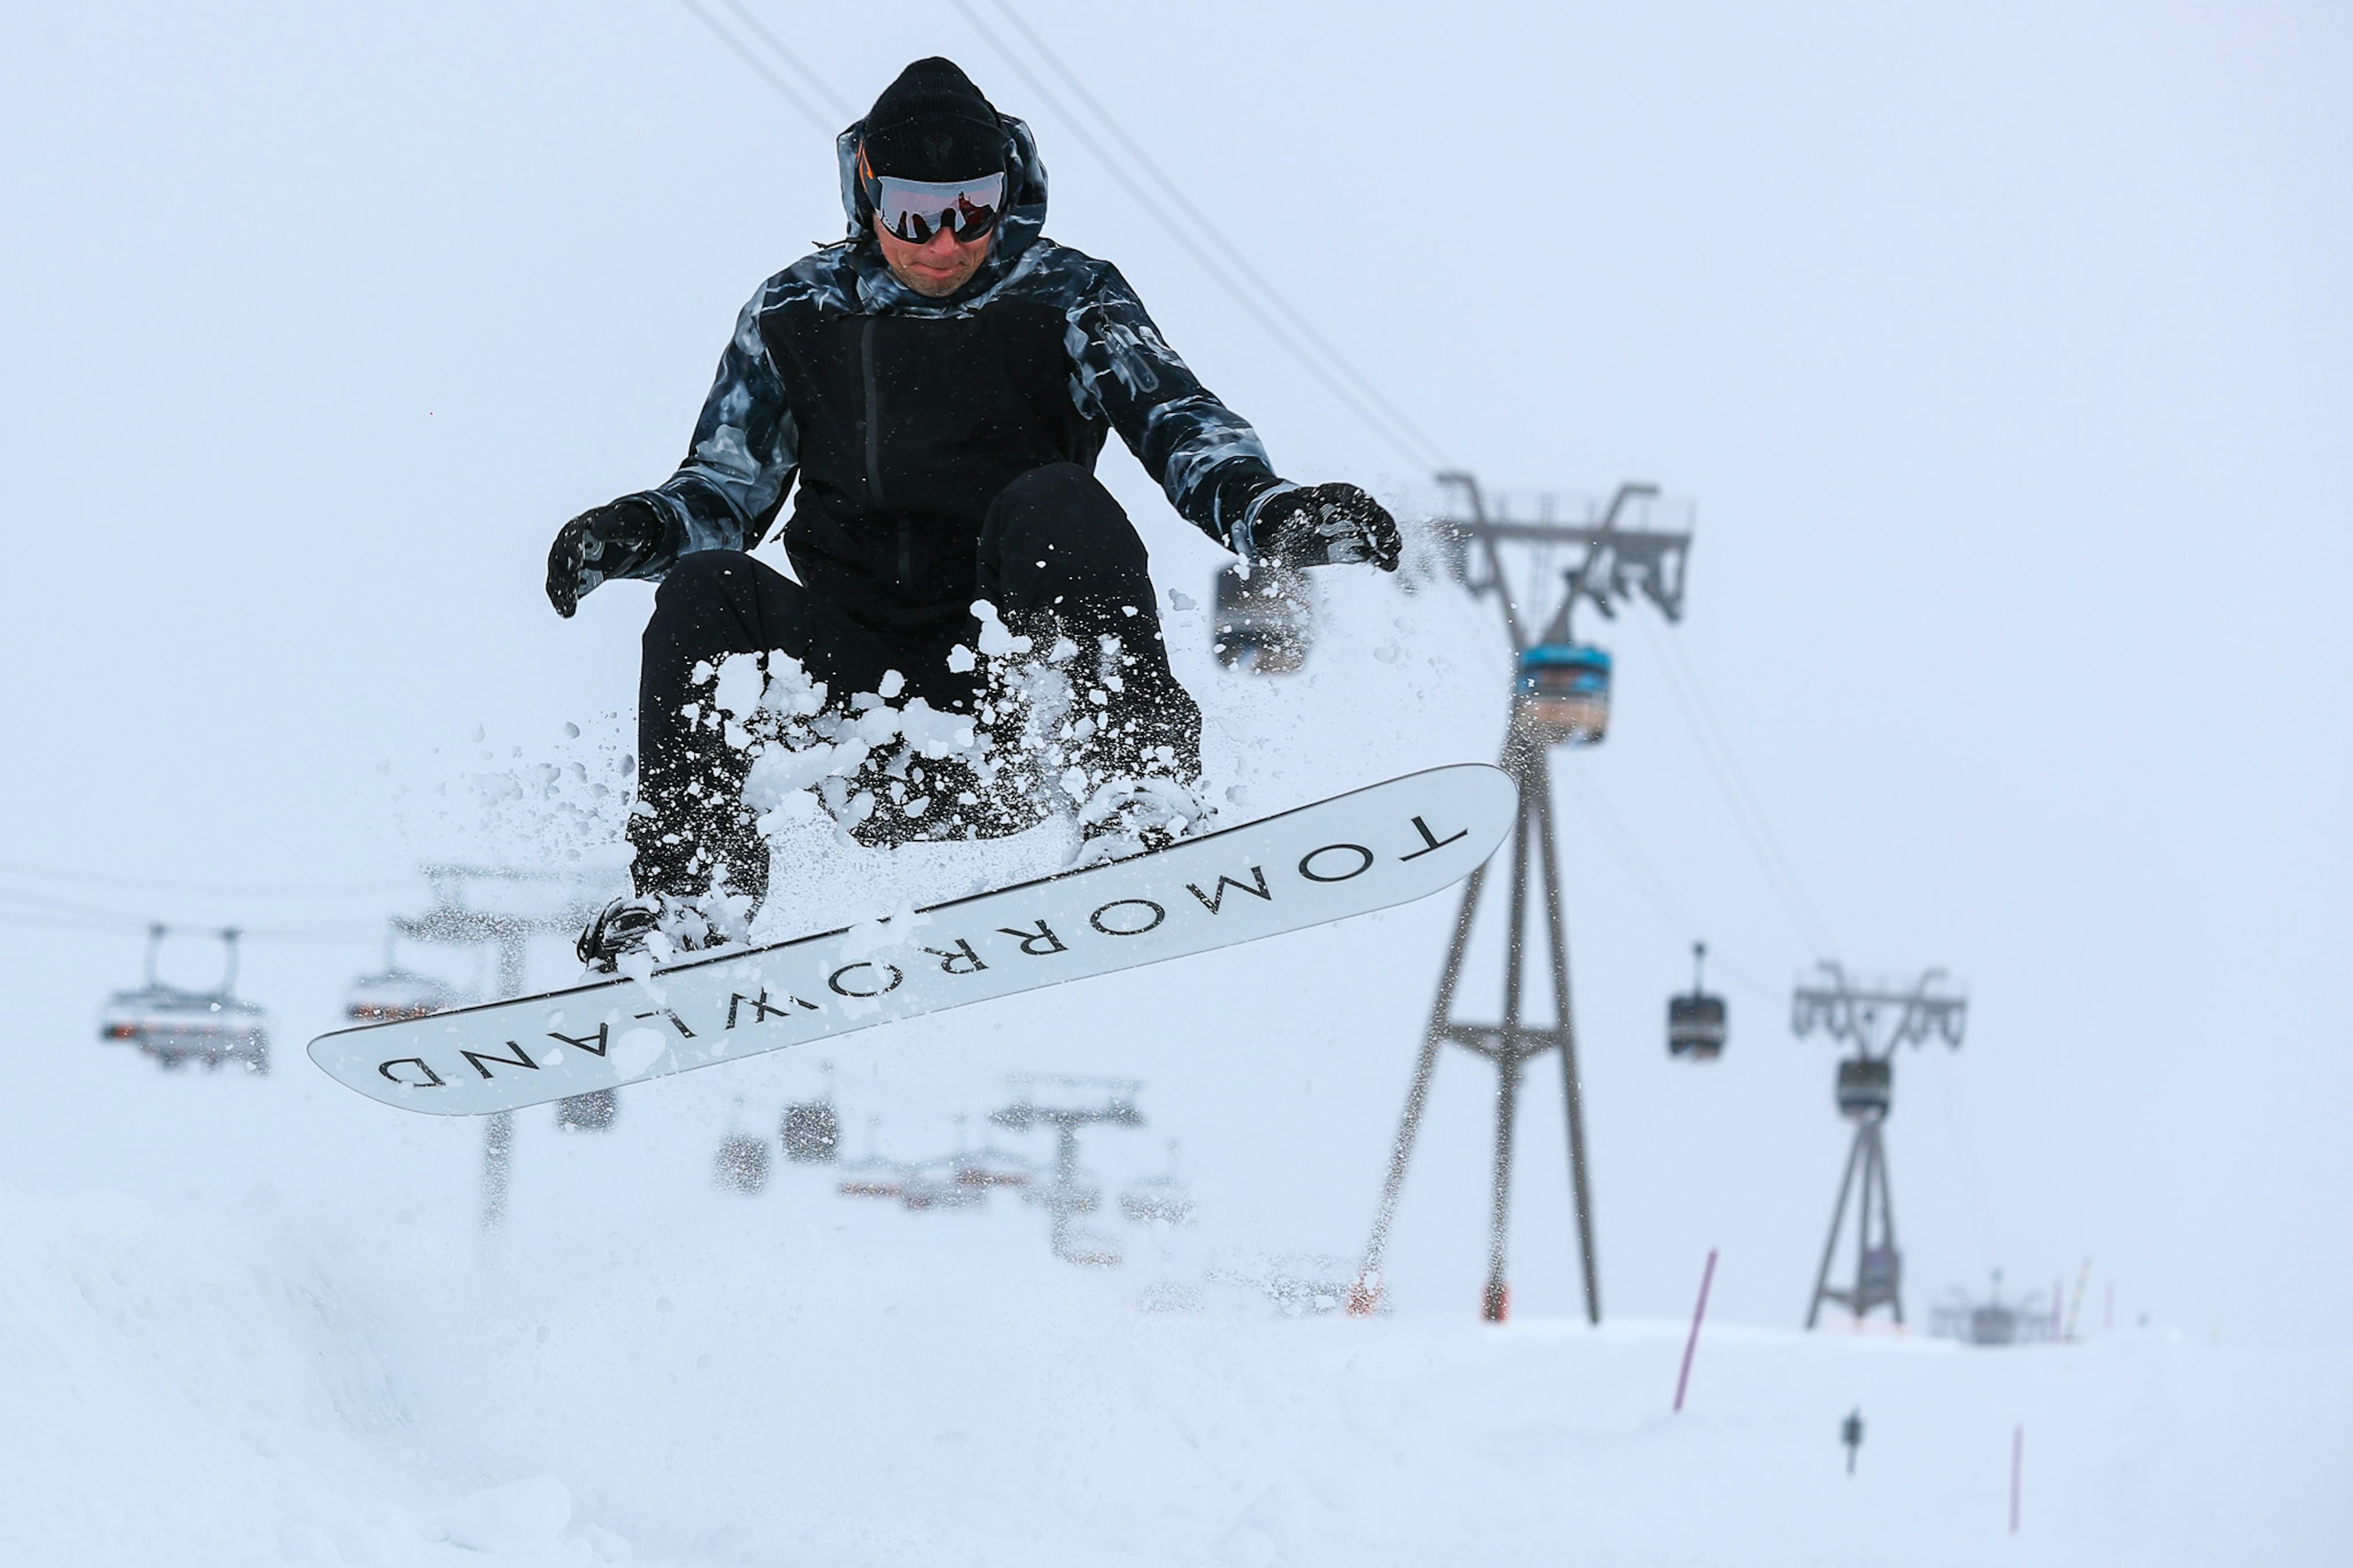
x,y
1585,795
760,68
1747,817
98,918
1430,450
843,110
181,885
1399,438
1612,831
1681,659
1956,1129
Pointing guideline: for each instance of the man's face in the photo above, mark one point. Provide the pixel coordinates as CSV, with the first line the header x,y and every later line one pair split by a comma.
x,y
938,267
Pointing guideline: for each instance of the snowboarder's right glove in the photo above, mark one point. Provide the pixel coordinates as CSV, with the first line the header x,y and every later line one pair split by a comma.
x,y
1321,525
616,540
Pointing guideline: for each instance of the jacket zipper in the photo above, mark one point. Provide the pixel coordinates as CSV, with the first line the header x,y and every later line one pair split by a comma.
x,y
874,443
873,413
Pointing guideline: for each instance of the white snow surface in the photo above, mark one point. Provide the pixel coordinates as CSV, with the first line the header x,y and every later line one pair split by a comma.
x,y
646,1370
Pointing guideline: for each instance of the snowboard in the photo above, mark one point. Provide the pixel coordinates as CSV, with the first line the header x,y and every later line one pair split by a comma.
x,y
1386,844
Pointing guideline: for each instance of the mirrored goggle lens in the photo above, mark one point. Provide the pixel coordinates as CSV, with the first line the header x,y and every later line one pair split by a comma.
x,y
915,210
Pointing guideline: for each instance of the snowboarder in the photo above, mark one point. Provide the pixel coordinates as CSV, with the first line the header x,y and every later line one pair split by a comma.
x,y
939,382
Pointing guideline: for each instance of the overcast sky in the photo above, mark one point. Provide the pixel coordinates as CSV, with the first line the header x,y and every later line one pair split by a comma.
x,y
2004,351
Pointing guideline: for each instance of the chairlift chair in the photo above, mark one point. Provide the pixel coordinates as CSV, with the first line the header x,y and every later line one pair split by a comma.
x,y
871,1177
1157,1200
395,993
1161,1199
1560,696
176,1026
1264,622
1696,1024
989,1166
938,1185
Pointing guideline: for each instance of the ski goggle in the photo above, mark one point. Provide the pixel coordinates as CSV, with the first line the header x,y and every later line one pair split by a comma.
x,y
914,210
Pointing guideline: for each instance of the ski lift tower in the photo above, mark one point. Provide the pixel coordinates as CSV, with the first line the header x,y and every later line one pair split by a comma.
x,y
455,921
1874,1020
1560,697
1067,1104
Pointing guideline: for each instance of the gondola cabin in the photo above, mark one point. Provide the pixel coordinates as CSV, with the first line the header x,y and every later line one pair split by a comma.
x,y
1561,695
811,1132
1697,1023
1264,622
1696,1027
176,1026
1866,1087
741,1163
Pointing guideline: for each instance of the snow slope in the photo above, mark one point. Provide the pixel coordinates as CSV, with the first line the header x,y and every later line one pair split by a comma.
x,y
283,1338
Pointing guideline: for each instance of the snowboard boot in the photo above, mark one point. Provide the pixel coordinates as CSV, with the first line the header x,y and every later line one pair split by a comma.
x,y
661,929
1131,816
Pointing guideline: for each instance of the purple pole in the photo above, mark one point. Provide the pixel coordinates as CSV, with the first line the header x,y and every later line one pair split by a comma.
x,y
1682,1379
2017,1465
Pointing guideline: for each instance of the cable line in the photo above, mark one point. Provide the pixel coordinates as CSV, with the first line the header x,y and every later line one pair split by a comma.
x,y
178,885
759,68
1429,452
1282,322
1740,802
72,914
1585,795
844,112
1159,213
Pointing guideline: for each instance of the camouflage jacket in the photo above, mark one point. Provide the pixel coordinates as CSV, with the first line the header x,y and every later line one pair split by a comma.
x,y
903,416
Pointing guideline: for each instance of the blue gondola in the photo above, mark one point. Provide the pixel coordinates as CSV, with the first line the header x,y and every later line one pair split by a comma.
x,y
1561,695
176,1026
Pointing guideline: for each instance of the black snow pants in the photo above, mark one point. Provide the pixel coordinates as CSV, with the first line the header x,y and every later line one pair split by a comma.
x,y
1058,556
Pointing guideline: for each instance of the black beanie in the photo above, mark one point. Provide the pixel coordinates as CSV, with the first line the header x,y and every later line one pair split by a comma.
x,y
933,124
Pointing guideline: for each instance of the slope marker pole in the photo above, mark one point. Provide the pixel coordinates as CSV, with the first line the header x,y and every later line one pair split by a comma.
x,y
1683,1378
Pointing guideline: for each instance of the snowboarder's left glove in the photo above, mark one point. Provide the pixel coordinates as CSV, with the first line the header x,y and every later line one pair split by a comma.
x,y
1321,525
616,539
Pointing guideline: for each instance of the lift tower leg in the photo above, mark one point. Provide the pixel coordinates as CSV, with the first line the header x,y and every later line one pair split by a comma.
x,y
1509,1045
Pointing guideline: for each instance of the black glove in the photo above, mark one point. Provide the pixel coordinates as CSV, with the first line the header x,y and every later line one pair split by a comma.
x,y
1319,525
610,540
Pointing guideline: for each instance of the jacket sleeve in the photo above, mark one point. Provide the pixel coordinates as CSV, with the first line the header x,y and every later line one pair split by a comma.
x,y
1206,459
746,450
